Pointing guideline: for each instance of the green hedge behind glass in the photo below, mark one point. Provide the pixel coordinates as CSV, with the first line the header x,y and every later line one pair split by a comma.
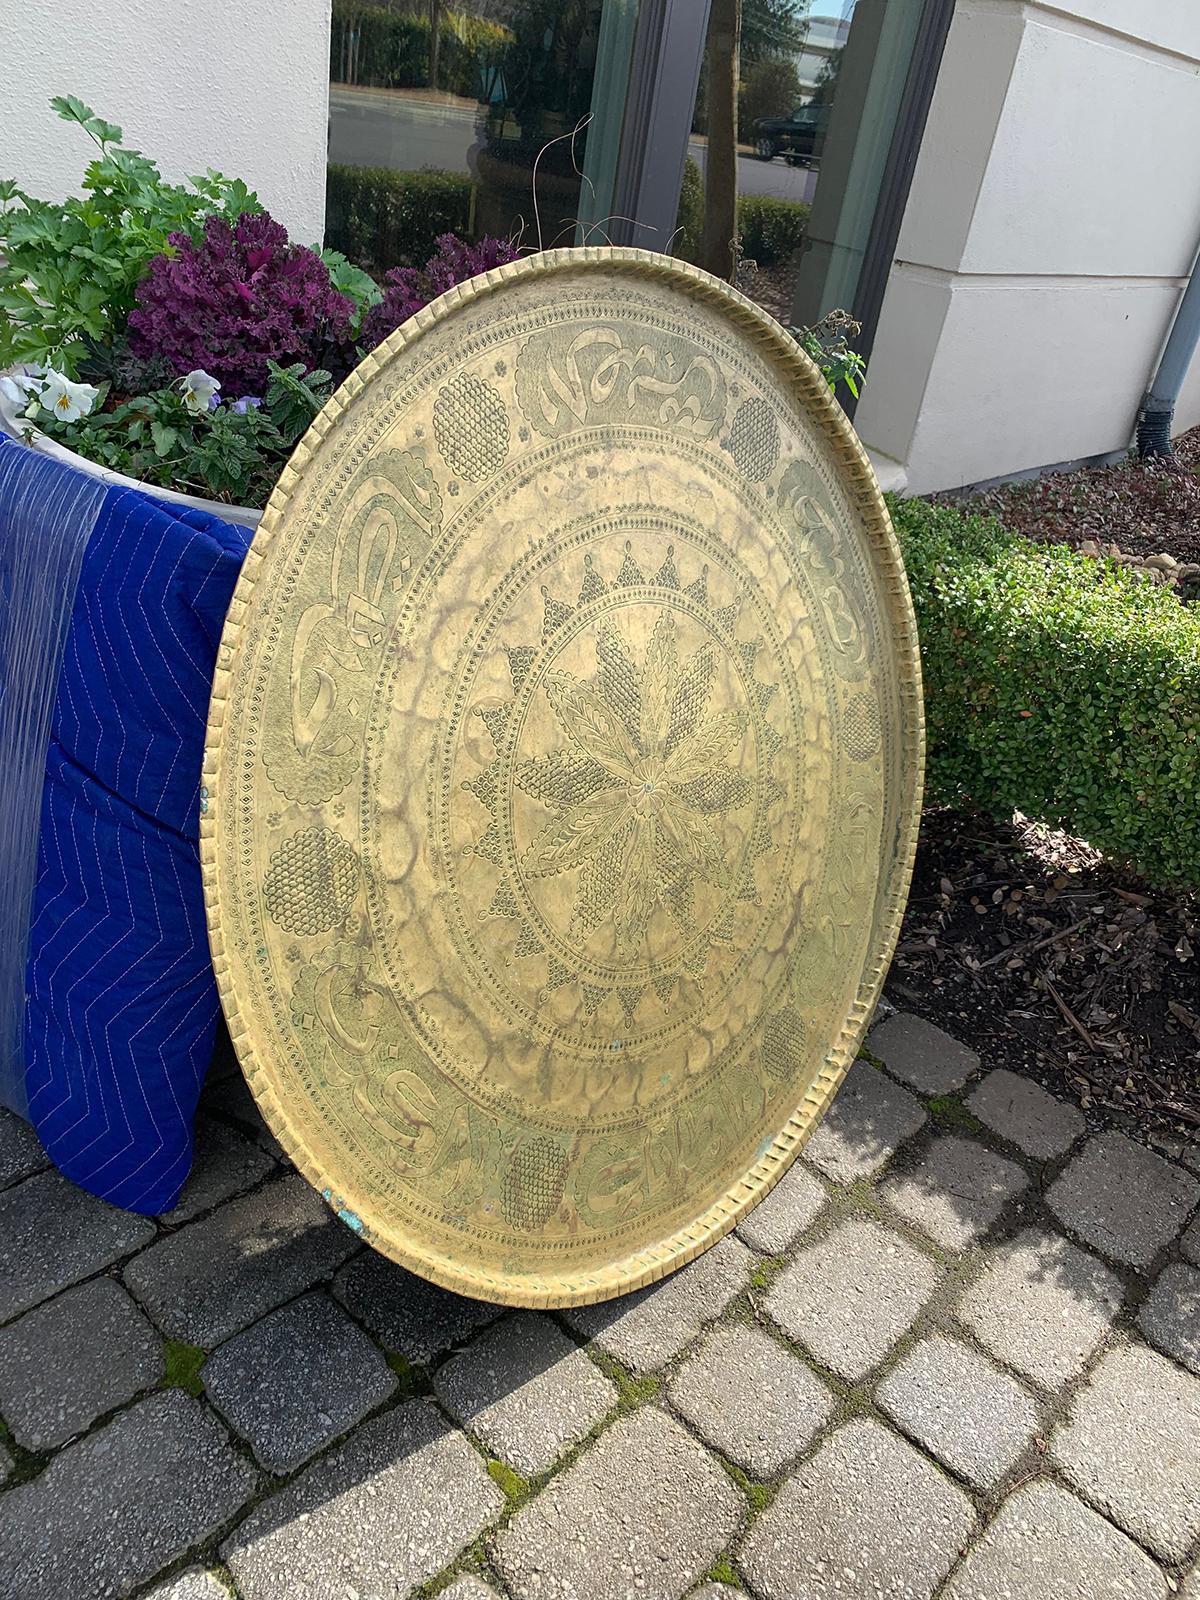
x,y
381,219
770,230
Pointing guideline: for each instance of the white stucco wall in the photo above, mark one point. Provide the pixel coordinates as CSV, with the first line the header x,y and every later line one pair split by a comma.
x,y
239,85
1054,212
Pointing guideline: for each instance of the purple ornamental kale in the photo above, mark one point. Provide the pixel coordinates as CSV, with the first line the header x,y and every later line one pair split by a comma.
x,y
407,289
239,297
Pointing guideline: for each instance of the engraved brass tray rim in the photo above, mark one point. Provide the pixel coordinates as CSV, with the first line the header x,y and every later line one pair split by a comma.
x,y
646,1266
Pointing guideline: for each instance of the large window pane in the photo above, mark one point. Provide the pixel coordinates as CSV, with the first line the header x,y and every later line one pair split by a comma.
x,y
819,87
438,117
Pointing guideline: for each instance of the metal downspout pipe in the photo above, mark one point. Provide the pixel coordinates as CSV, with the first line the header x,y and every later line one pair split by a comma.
x,y
1158,408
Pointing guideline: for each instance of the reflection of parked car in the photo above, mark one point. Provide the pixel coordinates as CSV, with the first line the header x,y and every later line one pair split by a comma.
x,y
798,137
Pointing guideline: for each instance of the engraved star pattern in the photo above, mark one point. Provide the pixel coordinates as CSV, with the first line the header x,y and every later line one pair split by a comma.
x,y
638,784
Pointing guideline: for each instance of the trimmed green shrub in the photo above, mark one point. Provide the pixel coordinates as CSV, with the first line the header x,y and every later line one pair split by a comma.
x,y
385,49
1057,685
385,219
770,229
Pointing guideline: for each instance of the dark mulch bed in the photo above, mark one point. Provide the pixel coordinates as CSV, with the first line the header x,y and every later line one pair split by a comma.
x,y
1135,510
1025,942
1027,945
773,288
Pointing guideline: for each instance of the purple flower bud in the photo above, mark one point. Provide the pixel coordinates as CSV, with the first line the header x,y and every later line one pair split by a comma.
x,y
248,402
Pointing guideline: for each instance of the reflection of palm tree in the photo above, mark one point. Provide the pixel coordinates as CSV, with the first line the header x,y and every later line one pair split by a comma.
x,y
717,249
435,40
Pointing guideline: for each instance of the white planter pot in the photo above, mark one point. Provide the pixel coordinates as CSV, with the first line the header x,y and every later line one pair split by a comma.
x,y
19,427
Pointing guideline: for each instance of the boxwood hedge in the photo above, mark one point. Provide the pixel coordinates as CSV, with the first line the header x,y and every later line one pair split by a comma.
x,y
1057,685
381,218
769,230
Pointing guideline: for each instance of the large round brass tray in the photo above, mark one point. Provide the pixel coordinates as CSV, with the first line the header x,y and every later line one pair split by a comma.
x,y
562,777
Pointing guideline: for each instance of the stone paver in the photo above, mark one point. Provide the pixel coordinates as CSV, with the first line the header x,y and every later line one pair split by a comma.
x,y
21,1153
296,1380
1170,1318
869,1120
194,1584
648,1328
1132,1448
53,1234
386,1499
119,1506
386,1511
643,1511
1023,1113
1123,1199
794,1204
848,1297
957,1191
966,1412
1043,1544
1042,1306
751,1398
217,1276
525,1391
408,1314
230,1096
924,1057
68,1362
866,1516
468,1588
225,1164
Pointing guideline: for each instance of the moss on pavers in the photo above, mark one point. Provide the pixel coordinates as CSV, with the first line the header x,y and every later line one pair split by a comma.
x,y
723,1571
183,1365
512,1485
948,1111
632,1390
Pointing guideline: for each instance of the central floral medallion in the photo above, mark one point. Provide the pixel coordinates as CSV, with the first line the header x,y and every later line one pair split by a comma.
x,y
634,789
637,785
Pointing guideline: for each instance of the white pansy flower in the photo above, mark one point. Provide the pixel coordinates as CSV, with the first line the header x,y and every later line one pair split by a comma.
x,y
200,391
68,401
17,387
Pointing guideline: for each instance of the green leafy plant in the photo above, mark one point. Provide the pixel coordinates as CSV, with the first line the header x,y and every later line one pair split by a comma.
x,y
1057,685
294,397
358,286
827,342
68,270
233,453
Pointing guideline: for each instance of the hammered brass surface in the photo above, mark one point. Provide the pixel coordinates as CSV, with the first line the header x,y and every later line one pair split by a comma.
x,y
562,777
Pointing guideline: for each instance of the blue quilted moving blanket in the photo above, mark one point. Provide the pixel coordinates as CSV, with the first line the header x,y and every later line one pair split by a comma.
x,y
121,1006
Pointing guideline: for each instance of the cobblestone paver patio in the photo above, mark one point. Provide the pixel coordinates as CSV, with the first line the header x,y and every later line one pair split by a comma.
x,y
955,1353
